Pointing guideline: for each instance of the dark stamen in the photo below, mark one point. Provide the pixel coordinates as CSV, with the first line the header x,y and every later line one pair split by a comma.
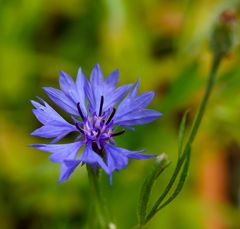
x,y
80,111
79,128
101,106
118,133
98,133
111,115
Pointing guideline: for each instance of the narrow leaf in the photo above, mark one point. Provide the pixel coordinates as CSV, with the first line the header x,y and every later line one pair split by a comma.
x,y
159,166
182,132
181,181
169,186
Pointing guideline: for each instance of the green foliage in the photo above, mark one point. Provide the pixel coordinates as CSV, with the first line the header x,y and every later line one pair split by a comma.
x,y
181,171
182,166
161,163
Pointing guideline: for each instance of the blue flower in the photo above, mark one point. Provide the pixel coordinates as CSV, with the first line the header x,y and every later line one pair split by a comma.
x,y
97,108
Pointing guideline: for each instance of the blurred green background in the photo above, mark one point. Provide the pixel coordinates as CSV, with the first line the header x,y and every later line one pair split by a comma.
x,y
165,44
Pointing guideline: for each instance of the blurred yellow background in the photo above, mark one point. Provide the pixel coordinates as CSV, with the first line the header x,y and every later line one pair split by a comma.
x,y
165,45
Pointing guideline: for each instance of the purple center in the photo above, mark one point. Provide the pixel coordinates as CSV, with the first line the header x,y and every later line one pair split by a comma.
x,y
99,127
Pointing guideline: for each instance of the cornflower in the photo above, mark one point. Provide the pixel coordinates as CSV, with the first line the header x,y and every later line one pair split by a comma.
x,y
97,108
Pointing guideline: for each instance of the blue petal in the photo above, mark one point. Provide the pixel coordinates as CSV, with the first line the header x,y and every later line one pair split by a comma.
x,y
112,79
134,90
140,156
51,131
73,91
58,138
60,152
117,158
138,118
90,96
96,77
107,88
111,98
61,100
67,168
96,81
54,130
92,158
127,153
68,86
81,81
46,113
94,88
128,105
110,83
54,125
131,94
131,111
45,116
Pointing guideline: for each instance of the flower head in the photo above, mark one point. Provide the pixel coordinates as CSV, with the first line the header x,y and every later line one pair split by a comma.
x,y
97,108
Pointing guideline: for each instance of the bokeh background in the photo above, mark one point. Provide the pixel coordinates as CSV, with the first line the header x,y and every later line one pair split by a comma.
x,y
165,45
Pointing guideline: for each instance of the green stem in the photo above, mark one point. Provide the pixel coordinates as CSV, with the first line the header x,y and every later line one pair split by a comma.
x,y
193,132
99,212
210,83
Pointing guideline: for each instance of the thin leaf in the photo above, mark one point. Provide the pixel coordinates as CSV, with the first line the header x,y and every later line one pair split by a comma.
x,y
182,132
159,166
180,163
181,181
167,189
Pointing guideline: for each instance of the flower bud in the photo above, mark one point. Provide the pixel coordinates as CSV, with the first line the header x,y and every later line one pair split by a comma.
x,y
222,36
